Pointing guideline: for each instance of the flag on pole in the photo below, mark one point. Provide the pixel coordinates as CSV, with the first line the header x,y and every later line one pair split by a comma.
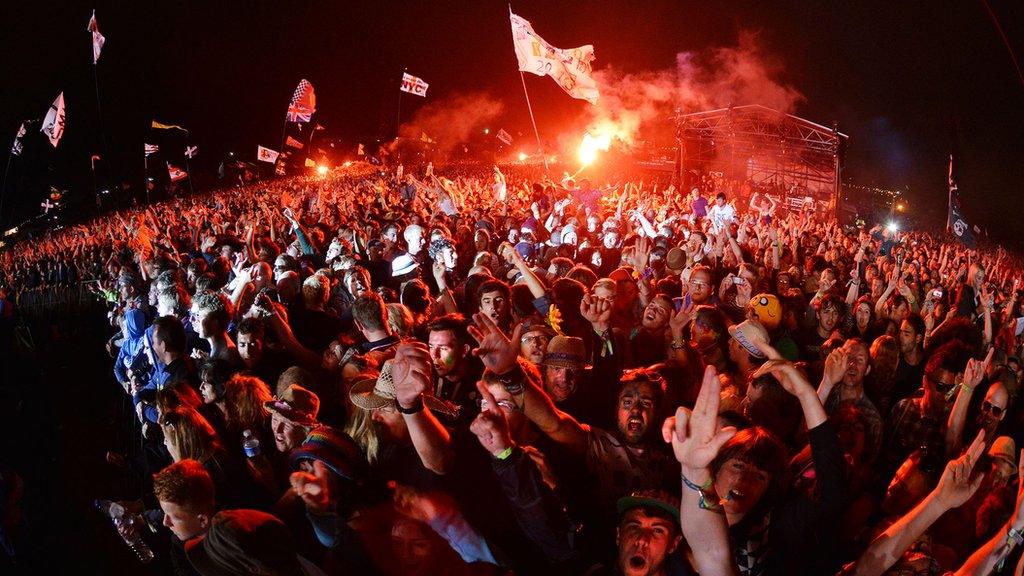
x,y
53,124
414,85
266,154
97,38
303,103
279,169
176,173
360,151
570,68
505,137
310,163
162,126
17,147
425,138
955,222
150,149
191,151
294,143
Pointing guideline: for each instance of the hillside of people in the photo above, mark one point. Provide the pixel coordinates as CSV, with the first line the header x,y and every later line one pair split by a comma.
x,y
479,370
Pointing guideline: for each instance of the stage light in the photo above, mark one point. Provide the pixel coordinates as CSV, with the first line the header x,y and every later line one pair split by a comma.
x,y
321,170
487,131
892,227
522,156
231,153
900,207
347,164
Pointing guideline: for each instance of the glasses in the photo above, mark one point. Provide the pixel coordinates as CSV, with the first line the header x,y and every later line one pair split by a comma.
x,y
540,339
699,284
991,408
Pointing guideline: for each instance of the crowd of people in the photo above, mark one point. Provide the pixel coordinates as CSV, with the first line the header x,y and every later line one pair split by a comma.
x,y
489,372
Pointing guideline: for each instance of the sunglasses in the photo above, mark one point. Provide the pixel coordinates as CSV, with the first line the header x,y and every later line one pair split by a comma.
x,y
991,408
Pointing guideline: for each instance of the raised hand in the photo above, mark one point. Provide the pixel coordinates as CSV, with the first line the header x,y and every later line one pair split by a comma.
x,y
411,371
836,366
695,436
679,319
491,426
494,349
958,483
596,310
314,489
975,371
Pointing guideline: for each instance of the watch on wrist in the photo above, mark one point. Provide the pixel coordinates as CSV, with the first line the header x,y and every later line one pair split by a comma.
x,y
414,409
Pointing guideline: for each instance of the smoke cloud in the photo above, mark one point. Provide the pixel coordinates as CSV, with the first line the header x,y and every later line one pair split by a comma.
x,y
451,121
706,80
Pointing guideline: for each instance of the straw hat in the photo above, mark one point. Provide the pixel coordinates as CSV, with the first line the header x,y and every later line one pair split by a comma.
x,y
565,352
374,394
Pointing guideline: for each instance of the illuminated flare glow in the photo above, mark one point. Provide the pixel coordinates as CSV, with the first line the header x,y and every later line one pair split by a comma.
x,y
321,170
522,156
591,144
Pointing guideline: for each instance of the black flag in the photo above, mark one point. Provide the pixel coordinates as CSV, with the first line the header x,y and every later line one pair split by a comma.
x,y
955,222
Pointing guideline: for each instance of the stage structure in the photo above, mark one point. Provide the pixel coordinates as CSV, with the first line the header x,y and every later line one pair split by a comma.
x,y
779,153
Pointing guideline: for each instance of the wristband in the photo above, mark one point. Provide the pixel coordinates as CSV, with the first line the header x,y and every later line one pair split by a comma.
x,y
707,500
504,454
414,409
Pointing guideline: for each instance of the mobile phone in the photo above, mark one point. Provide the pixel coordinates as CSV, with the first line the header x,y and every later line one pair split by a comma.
x,y
737,280
936,293
678,303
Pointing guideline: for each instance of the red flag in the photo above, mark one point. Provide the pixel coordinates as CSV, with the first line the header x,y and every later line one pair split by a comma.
x,y
294,143
303,103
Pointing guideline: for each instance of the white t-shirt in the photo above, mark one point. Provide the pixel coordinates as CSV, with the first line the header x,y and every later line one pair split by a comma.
x,y
721,216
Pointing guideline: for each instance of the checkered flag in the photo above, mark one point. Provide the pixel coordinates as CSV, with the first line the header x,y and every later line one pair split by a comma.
x,y
303,103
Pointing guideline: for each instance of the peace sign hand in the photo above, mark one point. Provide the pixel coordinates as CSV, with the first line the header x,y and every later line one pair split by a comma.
x,y
695,436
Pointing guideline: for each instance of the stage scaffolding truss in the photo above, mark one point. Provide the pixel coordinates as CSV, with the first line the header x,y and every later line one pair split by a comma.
x,y
778,152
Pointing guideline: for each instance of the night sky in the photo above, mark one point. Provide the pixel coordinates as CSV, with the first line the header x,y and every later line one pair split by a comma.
x,y
896,76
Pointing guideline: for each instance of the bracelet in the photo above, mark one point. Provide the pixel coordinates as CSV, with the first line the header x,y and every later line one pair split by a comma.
x,y
1015,536
707,500
678,345
504,454
414,409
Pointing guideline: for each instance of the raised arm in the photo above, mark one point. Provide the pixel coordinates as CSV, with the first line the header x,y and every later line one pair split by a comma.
x,y
500,356
412,373
956,486
958,415
696,439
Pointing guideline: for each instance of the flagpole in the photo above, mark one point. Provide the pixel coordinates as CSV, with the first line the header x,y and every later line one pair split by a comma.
x,y
3,191
188,167
529,106
397,118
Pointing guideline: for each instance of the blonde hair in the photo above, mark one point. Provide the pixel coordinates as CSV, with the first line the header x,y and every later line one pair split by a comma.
x,y
315,290
607,284
400,319
244,398
360,428
190,434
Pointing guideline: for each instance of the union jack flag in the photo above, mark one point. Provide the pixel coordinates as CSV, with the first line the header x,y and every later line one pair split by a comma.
x,y
303,103
151,149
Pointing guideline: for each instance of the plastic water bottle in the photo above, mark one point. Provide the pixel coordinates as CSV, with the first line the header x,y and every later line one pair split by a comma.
x,y
251,444
123,522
